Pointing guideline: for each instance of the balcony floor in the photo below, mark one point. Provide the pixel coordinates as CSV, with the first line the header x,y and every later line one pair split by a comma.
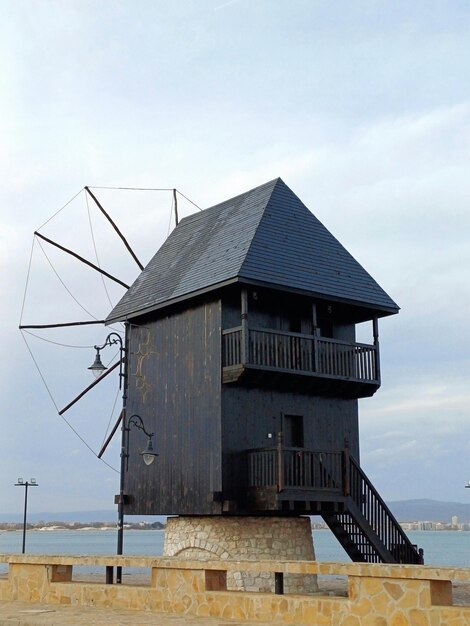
x,y
268,500
298,381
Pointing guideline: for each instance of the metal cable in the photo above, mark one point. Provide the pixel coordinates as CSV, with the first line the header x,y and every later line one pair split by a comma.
x,y
57,343
96,251
57,408
147,189
61,209
63,284
27,280
110,417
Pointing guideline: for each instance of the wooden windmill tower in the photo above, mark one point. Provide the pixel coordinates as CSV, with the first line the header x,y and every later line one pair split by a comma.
x,y
242,358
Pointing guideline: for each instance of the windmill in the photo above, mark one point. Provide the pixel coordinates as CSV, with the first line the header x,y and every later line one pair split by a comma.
x,y
61,254
240,350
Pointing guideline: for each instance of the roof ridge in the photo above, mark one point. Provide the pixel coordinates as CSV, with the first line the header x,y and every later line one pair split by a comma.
x,y
231,200
273,182
276,182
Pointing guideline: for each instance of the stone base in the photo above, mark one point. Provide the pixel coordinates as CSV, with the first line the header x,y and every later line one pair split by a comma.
x,y
248,539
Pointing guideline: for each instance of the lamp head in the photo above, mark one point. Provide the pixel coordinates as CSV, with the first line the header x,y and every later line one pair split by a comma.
x,y
148,454
97,368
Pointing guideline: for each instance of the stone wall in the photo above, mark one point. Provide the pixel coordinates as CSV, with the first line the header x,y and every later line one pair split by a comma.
x,y
378,595
246,539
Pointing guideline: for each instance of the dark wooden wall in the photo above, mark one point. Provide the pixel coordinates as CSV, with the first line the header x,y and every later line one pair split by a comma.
x,y
175,386
278,310
249,415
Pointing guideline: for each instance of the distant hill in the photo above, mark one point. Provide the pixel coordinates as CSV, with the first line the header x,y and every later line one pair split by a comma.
x,y
78,516
429,510
404,511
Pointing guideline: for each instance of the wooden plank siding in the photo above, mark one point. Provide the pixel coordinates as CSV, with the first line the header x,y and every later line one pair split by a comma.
x,y
174,385
250,415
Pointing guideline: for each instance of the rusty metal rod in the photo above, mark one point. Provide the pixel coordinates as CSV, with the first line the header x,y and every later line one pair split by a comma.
x,y
108,217
80,258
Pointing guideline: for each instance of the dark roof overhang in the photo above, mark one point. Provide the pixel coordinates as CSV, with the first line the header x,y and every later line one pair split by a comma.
x,y
360,310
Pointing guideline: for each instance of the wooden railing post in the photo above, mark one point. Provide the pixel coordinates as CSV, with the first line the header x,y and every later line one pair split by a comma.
x,y
314,340
280,461
245,339
346,471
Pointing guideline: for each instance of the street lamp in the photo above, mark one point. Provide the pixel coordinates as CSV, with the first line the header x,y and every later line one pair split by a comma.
x,y
97,368
148,455
29,483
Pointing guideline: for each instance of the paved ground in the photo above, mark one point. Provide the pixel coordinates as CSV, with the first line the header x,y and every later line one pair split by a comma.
x,y
34,614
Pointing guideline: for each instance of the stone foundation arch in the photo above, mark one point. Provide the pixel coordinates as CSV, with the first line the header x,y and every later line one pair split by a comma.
x,y
245,538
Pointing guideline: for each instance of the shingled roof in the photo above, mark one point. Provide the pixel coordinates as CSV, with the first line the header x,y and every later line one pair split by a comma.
x,y
265,236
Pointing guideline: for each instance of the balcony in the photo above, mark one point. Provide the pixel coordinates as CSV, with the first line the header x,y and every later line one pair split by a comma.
x,y
300,362
271,478
330,483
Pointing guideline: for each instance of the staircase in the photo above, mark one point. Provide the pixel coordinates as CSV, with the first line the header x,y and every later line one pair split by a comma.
x,y
331,484
366,528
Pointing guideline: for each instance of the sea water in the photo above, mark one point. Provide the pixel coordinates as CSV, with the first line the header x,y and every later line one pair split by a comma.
x,y
445,548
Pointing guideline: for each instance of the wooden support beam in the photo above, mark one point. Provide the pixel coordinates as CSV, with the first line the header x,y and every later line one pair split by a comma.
x,y
111,435
80,258
124,240
175,200
375,327
89,388
245,339
61,325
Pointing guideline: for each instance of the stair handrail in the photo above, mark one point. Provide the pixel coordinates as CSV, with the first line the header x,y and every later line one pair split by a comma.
x,y
412,550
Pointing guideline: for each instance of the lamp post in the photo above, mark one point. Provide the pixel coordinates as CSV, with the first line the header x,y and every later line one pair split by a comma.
x,y
97,369
29,483
148,455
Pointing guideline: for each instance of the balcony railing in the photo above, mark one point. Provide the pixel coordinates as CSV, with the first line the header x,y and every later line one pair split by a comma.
x,y
292,468
365,523
297,352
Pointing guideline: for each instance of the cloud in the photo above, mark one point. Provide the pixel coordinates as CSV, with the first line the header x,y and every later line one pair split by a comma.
x,y
366,115
225,5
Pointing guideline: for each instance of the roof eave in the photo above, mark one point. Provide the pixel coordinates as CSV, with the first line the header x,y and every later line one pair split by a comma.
x,y
170,302
379,310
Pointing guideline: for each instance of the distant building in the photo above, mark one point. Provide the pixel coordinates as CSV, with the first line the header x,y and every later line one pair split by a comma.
x,y
455,521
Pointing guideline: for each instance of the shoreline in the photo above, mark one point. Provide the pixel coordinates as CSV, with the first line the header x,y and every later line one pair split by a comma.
x,y
84,528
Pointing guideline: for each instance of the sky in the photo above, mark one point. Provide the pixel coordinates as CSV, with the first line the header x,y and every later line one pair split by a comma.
x,y
363,108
